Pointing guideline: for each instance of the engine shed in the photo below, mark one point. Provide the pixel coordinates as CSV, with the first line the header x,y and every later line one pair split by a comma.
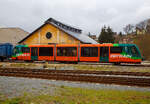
x,y
56,32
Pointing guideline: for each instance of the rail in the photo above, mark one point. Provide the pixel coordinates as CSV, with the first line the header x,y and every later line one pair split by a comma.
x,y
105,77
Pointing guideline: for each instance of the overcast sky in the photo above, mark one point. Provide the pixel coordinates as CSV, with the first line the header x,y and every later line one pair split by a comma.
x,y
89,15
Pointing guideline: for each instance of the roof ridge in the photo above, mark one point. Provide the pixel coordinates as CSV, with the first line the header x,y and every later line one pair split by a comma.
x,y
64,26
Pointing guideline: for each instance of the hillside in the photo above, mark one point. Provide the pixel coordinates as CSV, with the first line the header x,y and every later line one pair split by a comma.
x,y
12,35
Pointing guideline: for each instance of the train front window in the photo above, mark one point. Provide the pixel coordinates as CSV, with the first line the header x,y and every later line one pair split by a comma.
x,y
134,51
15,51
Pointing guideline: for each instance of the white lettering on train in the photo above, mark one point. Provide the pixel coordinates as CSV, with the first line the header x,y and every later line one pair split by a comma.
x,y
23,54
120,56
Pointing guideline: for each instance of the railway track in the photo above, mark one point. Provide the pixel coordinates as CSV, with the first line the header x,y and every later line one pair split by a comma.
x,y
86,63
123,64
106,77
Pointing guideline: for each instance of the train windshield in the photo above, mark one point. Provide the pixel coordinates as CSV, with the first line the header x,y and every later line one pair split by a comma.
x,y
134,51
15,51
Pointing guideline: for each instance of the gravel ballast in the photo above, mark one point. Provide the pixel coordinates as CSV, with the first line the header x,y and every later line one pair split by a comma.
x,y
14,86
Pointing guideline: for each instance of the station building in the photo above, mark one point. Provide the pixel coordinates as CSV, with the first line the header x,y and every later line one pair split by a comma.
x,y
56,32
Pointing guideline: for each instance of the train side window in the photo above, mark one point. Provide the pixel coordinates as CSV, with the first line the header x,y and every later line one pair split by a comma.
x,y
46,51
71,51
25,50
115,49
89,51
85,51
66,51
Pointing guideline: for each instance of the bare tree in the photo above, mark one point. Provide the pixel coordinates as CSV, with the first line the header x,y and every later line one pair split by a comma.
x,y
128,29
148,27
142,25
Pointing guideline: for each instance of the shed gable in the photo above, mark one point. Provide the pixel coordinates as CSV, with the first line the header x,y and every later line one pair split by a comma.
x,y
59,32
58,36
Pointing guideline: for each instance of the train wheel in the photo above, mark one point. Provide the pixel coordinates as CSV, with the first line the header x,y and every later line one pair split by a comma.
x,y
75,62
28,61
117,63
2,59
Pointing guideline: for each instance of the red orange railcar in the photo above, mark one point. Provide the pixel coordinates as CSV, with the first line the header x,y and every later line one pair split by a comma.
x,y
108,53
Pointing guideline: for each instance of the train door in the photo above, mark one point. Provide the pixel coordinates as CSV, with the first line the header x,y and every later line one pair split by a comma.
x,y
34,53
104,54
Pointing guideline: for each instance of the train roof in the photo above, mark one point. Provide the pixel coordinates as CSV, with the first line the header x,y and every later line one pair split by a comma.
x,y
96,45
5,44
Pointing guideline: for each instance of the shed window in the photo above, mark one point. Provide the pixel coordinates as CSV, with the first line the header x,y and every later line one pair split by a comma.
x,y
48,35
46,51
115,49
66,51
89,51
25,50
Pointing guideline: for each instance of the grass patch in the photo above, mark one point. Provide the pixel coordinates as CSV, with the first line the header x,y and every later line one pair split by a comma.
x,y
80,67
1,66
68,95
112,68
93,67
24,65
13,101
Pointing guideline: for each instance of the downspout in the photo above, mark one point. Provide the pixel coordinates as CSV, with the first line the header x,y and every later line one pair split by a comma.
x,y
39,36
58,36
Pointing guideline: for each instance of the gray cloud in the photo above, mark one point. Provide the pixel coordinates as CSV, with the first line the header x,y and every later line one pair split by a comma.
x,y
89,15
